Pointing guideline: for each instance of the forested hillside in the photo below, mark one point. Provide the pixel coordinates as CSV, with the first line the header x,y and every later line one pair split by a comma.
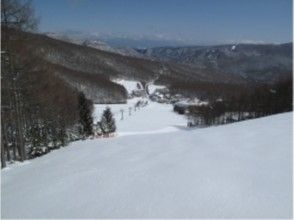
x,y
111,66
39,111
261,63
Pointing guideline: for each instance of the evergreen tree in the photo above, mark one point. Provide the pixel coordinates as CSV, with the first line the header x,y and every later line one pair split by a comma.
x,y
107,122
85,112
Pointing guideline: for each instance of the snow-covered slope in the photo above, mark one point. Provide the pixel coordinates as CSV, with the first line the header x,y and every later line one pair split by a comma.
x,y
154,117
237,170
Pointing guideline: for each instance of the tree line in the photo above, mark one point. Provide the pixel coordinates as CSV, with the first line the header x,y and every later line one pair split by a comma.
x,y
39,112
262,101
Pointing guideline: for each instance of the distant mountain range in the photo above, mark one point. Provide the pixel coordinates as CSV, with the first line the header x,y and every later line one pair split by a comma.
x,y
253,62
94,42
92,66
117,40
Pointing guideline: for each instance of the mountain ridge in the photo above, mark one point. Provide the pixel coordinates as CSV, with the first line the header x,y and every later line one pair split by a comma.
x,y
86,61
270,61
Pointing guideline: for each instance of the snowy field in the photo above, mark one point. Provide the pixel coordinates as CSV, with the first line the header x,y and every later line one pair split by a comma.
x,y
156,168
128,84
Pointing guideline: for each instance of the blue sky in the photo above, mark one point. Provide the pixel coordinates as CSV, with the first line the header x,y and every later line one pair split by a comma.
x,y
190,21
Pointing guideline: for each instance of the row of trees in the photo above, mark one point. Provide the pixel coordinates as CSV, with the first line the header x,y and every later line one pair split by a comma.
x,y
39,112
19,16
262,101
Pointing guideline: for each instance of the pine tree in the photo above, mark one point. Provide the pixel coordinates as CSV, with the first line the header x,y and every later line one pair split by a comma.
x,y
107,122
85,111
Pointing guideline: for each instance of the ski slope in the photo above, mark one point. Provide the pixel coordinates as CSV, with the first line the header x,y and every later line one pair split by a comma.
x,y
152,117
156,168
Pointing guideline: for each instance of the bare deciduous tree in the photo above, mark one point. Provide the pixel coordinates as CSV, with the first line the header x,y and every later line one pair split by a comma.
x,y
16,15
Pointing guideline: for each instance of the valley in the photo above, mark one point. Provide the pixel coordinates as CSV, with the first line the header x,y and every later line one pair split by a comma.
x,y
146,109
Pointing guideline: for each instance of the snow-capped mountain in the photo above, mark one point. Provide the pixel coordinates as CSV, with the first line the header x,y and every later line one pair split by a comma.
x,y
254,62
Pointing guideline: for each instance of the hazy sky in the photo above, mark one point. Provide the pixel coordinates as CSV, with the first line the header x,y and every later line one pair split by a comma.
x,y
192,21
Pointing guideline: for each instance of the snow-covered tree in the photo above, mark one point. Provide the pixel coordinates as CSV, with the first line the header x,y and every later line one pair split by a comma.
x,y
107,122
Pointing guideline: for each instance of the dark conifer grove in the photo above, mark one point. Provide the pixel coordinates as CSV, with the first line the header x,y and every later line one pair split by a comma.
x,y
85,113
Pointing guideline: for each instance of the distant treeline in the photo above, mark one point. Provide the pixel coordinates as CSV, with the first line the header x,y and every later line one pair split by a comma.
x,y
262,101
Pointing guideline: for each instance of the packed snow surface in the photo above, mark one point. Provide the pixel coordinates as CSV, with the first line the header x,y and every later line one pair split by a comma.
x,y
129,84
152,88
153,117
155,167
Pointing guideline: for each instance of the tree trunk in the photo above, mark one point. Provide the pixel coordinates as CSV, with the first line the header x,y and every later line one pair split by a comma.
x,y
3,162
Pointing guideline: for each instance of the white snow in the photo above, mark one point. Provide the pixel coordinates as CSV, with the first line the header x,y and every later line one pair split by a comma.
x,y
233,47
128,84
152,117
157,168
13,164
152,88
195,102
